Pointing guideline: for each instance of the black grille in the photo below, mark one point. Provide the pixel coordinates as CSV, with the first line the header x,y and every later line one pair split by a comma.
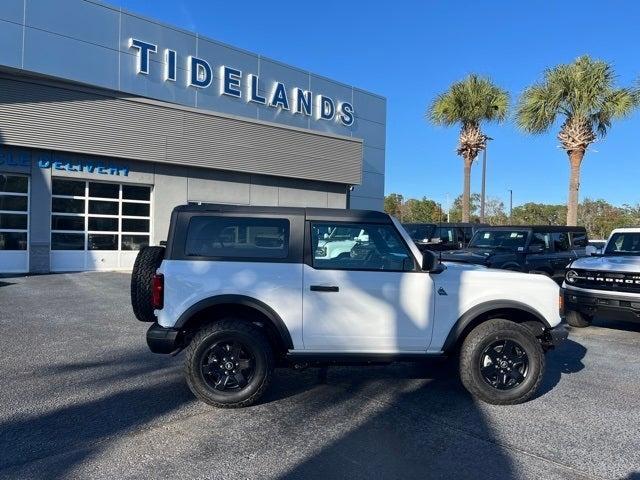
x,y
611,281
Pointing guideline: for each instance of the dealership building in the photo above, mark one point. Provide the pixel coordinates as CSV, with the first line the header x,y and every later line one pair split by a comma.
x,y
108,120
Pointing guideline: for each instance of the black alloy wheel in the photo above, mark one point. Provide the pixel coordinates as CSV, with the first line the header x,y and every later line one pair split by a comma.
x,y
504,364
501,362
228,365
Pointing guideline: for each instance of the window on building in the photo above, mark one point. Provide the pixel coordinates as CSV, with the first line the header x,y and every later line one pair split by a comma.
x,y
14,212
99,215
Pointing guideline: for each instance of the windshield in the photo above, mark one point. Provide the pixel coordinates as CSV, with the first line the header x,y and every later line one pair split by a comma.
x,y
420,233
624,243
499,239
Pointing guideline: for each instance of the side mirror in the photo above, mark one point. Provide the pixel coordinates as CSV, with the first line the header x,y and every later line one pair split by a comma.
x,y
429,261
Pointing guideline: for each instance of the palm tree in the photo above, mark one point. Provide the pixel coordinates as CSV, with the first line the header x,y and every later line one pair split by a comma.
x,y
469,102
583,92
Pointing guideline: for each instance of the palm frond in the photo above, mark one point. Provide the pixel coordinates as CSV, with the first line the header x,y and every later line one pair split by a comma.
x,y
537,108
583,92
469,102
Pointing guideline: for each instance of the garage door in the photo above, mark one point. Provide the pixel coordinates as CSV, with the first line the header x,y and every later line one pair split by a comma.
x,y
98,225
14,223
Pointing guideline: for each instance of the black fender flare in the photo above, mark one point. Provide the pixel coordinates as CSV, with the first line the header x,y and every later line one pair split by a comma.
x,y
245,301
474,312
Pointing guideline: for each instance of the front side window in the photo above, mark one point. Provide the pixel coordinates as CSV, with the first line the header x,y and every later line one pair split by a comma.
x,y
561,241
210,236
446,234
512,240
624,243
542,240
420,233
358,247
579,239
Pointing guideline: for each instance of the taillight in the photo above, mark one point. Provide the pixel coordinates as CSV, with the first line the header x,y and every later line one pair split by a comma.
x,y
157,291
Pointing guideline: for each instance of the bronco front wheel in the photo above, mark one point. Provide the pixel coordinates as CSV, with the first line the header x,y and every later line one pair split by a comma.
x,y
501,362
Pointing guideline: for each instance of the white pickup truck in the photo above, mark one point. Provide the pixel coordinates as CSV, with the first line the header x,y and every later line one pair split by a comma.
x,y
241,305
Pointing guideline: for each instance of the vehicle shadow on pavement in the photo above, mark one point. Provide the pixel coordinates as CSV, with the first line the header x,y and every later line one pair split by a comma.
x,y
397,429
565,359
77,429
433,430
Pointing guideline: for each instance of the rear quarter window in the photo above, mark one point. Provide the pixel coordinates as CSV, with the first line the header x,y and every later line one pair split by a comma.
x,y
231,237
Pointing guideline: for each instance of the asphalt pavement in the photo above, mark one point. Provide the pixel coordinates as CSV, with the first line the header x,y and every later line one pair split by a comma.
x,y
82,397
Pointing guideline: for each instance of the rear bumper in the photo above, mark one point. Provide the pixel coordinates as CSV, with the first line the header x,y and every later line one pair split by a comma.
x,y
161,339
609,307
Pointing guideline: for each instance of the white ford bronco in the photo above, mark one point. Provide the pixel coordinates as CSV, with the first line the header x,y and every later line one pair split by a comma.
x,y
246,289
606,284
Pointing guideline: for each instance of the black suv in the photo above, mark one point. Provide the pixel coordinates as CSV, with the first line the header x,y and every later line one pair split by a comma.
x,y
535,249
441,236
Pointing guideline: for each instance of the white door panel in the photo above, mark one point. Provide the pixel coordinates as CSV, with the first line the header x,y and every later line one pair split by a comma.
x,y
14,261
372,310
102,260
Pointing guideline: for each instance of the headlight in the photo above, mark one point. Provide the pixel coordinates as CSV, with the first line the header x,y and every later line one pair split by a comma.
x,y
572,276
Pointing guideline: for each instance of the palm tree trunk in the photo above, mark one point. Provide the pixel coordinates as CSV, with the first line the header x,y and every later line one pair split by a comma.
x,y
466,192
575,160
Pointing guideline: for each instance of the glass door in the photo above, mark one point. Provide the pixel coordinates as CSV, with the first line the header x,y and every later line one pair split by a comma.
x,y
98,225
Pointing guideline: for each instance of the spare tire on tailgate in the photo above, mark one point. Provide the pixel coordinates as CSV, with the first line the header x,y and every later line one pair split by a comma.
x,y
147,262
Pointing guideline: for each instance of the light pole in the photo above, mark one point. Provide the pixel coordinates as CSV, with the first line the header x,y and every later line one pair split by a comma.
x,y
448,208
484,175
510,205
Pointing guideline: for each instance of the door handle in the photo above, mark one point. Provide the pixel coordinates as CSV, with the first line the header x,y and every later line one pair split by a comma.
x,y
323,288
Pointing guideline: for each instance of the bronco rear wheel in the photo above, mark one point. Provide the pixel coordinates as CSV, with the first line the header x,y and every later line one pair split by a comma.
x,y
501,362
229,364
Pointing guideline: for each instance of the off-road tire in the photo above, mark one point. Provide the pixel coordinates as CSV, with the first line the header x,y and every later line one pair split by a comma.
x,y
472,350
144,268
249,335
577,319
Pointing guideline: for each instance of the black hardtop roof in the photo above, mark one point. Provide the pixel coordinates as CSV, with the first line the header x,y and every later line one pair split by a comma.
x,y
317,214
536,228
448,224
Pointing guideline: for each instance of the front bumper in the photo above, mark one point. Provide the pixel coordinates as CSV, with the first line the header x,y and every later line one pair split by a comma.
x,y
162,340
609,307
557,335
553,337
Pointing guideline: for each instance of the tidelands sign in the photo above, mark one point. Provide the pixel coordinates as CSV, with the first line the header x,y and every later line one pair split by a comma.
x,y
247,86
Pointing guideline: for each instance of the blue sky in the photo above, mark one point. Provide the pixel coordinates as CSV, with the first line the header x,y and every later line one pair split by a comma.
x,y
410,51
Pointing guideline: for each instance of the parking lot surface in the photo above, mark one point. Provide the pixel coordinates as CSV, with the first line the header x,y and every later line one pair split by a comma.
x,y
82,397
